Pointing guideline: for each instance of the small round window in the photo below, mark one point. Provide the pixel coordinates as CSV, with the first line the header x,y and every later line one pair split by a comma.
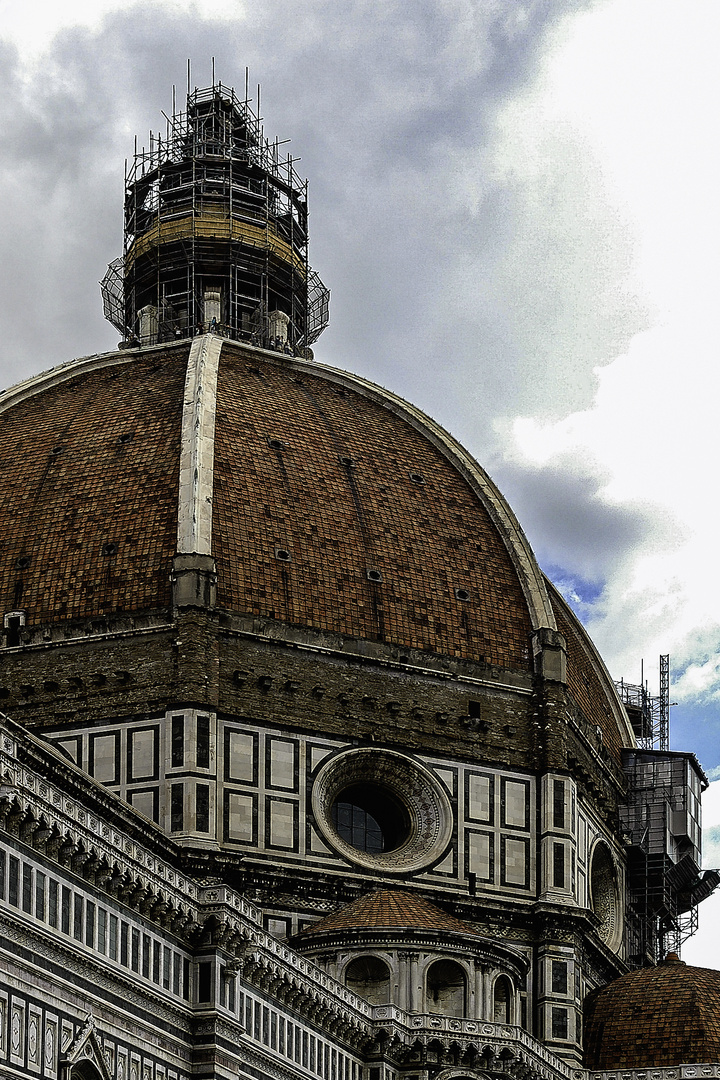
x,y
382,810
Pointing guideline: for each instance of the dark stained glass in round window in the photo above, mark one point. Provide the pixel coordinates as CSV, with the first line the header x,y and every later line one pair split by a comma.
x,y
369,818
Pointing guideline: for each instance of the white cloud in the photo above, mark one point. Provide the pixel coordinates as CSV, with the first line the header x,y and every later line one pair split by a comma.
x,y
633,84
32,25
637,84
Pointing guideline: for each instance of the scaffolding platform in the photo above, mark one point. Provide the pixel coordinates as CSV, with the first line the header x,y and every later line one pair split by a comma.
x,y
216,234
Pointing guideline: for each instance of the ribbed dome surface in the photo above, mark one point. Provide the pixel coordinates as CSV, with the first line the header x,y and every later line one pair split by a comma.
x,y
327,503
655,1017
584,681
88,491
88,508
340,497
386,909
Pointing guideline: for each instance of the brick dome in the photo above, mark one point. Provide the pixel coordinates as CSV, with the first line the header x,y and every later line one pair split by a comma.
x,y
655,1017
325,502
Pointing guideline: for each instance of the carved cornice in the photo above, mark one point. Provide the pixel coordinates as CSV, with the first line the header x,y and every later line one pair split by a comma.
x,y
678,1072
115,981
487,952
41,812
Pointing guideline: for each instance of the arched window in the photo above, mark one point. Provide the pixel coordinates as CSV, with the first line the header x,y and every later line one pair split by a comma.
x,y
446,988
369,978
502,1000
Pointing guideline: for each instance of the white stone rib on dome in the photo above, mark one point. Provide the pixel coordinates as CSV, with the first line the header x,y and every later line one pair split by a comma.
x,y
509,529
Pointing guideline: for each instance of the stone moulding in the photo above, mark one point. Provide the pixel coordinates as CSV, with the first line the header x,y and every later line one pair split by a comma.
x,y
21,391
86,1046
679,1072
197,448
35,940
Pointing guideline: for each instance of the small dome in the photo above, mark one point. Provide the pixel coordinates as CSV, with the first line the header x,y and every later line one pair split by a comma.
x,y
655,1017
386,909
394,921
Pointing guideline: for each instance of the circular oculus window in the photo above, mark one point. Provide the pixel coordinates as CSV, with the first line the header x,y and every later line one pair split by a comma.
x,y
382,810
604,896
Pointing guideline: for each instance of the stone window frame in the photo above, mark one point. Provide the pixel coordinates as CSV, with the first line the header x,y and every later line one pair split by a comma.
x,y
423,796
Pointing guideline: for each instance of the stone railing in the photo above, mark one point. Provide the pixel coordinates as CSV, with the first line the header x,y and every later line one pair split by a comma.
x,y
241,918
677,1072
411,1027
41,801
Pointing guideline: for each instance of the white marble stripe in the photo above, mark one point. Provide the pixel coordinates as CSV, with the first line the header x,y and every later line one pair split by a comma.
x,y
197,450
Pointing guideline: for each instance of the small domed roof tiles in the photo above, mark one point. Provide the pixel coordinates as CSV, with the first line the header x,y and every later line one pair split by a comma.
x,y
389,908
654,1017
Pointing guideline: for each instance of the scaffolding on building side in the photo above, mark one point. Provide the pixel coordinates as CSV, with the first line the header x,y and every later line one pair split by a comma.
x,y
648,714
660,822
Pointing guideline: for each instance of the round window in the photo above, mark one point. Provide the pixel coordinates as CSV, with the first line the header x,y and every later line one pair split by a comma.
x,y
382,810
370,818
604,895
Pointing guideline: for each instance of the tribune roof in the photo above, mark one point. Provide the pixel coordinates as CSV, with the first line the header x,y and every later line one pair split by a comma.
x,y
387,909
654,1017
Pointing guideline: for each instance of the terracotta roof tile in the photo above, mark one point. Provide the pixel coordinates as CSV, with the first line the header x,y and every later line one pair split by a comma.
x,y
88,491
583,682
88,513
390,908
339,496
655,1017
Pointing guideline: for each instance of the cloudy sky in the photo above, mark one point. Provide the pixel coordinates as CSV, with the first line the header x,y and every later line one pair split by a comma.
x,y
514,203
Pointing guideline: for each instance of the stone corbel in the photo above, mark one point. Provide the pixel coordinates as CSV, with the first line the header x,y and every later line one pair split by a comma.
x,y
550,654
194,581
